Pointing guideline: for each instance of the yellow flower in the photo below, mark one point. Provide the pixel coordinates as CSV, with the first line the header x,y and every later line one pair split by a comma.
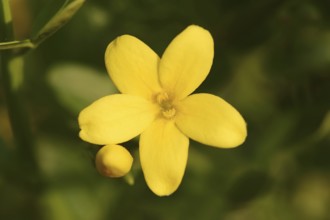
x,y
156,103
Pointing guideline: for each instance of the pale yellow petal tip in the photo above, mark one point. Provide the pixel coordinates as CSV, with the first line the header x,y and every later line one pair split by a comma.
x,y
196,27
198,30
241,137
235,139
163,188
113,161
121,40
109,49
83,134
112,44
81,122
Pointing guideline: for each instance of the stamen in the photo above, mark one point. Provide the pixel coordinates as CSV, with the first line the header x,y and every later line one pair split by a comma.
x,y
170,113
166,105
162,97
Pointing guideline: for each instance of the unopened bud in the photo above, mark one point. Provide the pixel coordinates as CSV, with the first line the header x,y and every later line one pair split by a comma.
x,y
113,161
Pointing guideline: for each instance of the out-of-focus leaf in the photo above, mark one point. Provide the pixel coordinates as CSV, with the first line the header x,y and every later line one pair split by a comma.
x,y
50,151
199,163
272,205
246,187
76,190
78,202
299,57
324,130
77,86
312,196
249,89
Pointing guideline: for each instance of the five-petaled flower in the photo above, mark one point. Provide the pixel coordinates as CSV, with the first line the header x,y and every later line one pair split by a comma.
x,y
156,103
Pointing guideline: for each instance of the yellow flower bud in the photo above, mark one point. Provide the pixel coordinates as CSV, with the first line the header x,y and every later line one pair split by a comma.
x,y
113,161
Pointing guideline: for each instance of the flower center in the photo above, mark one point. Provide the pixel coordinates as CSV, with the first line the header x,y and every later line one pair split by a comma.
x,y
166,105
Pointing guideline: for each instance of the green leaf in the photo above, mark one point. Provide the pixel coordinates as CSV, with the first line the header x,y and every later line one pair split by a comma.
x,y
77,86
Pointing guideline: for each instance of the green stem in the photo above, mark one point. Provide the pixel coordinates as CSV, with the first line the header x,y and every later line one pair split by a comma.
x,y
23,168
27,44
12,79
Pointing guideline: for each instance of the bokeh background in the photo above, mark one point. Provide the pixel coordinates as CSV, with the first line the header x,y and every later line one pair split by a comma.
x,y
272,62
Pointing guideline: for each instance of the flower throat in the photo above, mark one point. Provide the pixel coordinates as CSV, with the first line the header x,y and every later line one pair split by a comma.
x,y
166,105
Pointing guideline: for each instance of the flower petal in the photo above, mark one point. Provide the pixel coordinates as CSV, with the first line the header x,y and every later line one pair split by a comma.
x,y
187,61
115,119
132,66
211,120
163,154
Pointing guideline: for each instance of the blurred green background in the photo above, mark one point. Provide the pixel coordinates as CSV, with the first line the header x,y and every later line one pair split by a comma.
x,y
272,62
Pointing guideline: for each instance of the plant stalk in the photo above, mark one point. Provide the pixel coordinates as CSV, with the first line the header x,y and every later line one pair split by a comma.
x,y
22,170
